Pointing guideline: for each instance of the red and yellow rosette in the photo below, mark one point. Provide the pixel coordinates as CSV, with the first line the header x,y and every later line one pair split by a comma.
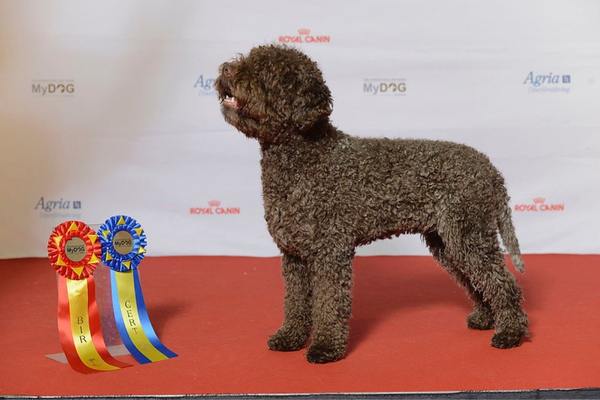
x,y
74,251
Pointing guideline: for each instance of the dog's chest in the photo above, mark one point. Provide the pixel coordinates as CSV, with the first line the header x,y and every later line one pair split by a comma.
x,y
290,209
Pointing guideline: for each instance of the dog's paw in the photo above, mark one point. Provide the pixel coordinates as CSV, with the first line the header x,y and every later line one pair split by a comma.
x,y
480,318
507,339
284,340
511,329
319,354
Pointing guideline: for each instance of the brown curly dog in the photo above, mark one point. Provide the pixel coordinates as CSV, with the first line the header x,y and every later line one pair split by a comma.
x,y
326,192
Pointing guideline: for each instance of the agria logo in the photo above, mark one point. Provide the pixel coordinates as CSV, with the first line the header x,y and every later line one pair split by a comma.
x,y
58,207
205,86
384,87
549,82
53,87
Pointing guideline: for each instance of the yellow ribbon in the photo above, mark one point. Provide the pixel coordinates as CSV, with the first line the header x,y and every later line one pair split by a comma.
x,y
77,291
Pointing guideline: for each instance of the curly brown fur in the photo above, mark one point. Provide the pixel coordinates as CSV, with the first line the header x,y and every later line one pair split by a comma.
x,y
326,192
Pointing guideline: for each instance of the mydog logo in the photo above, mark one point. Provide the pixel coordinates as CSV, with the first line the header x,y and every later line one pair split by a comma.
x,y
53,87
58,206
75,249
549,82
304,36
122,243
385,87
205,86
215,208
539,205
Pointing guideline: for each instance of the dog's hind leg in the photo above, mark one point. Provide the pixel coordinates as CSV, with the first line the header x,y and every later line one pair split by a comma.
x,y
296,326
481,317
482,262
332,303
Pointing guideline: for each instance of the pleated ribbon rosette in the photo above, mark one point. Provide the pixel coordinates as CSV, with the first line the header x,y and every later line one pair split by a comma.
x,y
74,251
123,243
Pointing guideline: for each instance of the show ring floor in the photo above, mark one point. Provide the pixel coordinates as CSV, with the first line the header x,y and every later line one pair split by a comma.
x,y
408,331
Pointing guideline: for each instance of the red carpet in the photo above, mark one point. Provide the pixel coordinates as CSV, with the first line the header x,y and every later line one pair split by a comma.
x,y
408,332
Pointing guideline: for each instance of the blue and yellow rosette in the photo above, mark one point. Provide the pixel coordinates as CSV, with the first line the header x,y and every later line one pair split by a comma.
x,y
123,247
74,252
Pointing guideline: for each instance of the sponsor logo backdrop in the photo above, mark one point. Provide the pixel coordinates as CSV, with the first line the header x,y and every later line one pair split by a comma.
x,y
109,108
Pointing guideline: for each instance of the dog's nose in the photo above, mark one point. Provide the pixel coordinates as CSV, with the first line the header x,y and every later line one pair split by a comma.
x,y
227,69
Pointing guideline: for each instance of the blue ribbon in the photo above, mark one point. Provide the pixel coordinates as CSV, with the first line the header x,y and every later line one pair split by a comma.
x,y
144,320
139,357
129,286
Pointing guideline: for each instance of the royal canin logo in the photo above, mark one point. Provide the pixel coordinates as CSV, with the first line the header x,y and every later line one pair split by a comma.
x,y
214,208
539,205
304,36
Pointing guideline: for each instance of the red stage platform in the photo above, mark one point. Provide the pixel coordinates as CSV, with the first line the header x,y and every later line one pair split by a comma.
x,y
408,331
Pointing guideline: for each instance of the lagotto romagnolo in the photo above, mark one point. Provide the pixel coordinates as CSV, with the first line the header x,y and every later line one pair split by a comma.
x,y
326,192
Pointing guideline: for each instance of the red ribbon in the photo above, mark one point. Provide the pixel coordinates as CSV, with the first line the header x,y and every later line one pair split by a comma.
x,y
66,334
77,298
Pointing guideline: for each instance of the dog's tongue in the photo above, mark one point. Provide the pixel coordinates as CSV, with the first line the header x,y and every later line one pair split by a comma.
x,y
230,102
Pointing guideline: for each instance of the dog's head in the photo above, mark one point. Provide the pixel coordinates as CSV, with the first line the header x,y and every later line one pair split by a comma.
x,y
273,92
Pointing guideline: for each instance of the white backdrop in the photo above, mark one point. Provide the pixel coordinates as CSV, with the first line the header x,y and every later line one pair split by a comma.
x,y
108,107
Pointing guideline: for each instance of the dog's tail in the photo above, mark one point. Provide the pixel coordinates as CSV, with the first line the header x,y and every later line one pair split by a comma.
x,y
509,238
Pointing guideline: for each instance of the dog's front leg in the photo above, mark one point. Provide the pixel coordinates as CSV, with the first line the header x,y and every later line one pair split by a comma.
x,y
332,304
295,329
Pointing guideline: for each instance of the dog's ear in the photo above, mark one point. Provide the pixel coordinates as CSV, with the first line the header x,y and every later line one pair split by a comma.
x,y
299,95
289,93
312,104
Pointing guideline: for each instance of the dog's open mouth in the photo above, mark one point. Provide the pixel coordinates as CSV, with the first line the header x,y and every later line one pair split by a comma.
x,y
230,102
226,96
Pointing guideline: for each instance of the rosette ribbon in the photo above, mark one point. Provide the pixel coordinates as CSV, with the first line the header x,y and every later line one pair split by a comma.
x,y
123,247
74,252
